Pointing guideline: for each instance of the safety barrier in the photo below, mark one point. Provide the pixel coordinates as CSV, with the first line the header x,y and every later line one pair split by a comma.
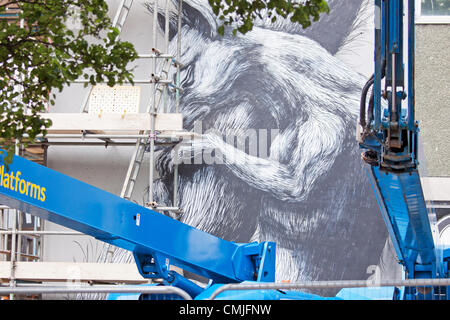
x,y
418,289
95,289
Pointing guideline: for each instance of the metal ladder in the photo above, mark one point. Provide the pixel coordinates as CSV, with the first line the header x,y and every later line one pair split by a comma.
x,y
141,143
122,14
160,82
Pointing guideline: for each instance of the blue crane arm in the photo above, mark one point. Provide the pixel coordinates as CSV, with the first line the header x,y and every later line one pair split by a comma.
x,y
388,132
403,208
155,239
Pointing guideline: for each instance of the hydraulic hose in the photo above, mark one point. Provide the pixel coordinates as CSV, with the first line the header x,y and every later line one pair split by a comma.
x,y
362,103
365,90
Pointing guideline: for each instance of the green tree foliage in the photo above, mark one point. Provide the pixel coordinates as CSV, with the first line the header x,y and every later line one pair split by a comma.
x,y
43,54
50,44
241,14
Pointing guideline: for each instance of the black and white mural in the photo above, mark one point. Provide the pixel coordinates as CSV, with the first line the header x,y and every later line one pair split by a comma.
x,y
277,158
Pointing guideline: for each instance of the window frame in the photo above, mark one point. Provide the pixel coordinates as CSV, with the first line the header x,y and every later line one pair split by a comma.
x,y
423,19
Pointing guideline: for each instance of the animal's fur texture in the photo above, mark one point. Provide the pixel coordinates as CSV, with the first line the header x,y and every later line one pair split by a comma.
x,y
310,194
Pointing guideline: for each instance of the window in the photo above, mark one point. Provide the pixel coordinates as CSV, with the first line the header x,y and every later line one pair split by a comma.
x,y
433,11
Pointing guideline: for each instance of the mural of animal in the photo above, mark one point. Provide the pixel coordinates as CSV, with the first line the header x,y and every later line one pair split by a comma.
x,y
276,111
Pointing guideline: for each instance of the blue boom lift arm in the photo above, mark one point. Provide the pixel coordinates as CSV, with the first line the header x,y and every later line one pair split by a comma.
x,y
154,239
388,132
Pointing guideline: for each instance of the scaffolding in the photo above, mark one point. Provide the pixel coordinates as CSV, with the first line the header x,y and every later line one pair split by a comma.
x,y
109,116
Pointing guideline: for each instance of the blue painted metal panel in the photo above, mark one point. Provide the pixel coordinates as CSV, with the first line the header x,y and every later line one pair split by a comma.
x,y
140,296
66,201
401,201
263,294
130,296
369,293
395,16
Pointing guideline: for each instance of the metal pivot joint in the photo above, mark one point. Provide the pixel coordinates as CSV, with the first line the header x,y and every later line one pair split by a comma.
x,y
250,261
387,128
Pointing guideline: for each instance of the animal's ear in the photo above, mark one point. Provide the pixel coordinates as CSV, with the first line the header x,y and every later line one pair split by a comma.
x,y
333,29
200,18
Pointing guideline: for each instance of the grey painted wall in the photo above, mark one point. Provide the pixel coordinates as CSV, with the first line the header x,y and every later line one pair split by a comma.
x,y
433,96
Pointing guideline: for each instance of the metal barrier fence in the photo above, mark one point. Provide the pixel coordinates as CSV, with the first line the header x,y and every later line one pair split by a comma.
x,y
96,289
419,289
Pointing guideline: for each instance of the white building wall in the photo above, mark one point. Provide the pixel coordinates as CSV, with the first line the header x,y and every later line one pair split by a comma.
x,y
102,167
